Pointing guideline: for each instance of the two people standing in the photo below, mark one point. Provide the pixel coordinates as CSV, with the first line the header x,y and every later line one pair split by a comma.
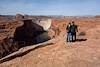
x,y
71,32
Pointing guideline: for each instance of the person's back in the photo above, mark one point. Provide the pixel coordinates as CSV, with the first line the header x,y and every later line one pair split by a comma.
x,y
73,31
73,28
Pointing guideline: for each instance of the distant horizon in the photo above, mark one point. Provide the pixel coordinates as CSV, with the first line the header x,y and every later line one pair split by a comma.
x,y
47,15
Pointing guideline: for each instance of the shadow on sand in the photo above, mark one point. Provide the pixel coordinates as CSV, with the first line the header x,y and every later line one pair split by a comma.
x,y
80,40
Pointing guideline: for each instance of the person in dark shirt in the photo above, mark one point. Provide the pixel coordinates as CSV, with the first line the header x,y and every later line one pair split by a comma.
x,y
69,37
74,29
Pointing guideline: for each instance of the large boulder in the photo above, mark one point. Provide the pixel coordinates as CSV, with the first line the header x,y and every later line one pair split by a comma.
x,y
32,30
45,23
19,17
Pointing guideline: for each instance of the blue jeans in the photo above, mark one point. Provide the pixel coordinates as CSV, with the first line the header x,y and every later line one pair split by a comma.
x,y
73,36
69,37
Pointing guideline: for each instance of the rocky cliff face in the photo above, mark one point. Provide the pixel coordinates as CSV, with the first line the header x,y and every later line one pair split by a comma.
x,y
21,32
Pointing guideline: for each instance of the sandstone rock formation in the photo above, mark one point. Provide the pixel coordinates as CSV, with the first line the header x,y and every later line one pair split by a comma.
x,y
19,17
85,52
22,32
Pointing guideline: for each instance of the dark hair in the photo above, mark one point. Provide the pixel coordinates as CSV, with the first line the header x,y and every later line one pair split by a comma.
x,y
73,22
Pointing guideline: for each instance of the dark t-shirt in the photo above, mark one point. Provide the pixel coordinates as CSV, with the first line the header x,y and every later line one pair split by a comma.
x,y
68,28
73,28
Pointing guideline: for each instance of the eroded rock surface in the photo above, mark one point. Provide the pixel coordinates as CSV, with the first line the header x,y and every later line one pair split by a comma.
x,y
82,53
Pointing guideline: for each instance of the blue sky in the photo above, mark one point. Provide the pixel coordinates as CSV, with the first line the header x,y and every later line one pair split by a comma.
x,y
50,7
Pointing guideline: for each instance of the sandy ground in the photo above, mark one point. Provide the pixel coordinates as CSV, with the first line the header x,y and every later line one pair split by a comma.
x,y
63,54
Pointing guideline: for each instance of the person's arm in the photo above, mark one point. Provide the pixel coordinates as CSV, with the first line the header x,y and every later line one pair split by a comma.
x,y
76,28
66,28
